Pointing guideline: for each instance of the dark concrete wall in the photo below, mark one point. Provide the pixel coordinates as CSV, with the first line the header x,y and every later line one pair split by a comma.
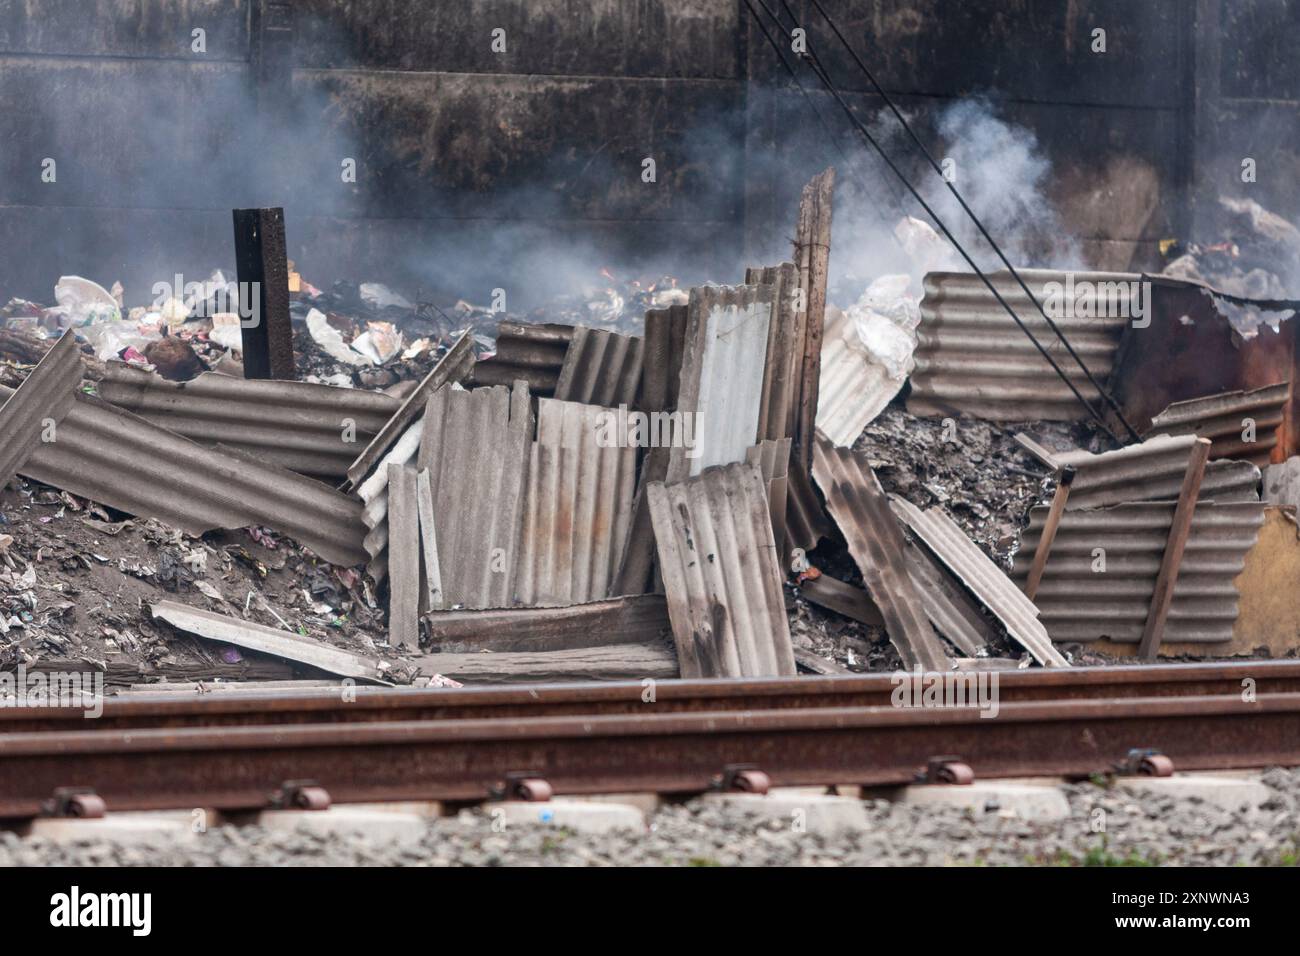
x,y
478,169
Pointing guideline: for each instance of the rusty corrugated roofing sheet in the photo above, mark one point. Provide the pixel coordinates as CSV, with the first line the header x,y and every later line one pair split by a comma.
x,y
530,353
109,455
773,459
719,567
853,389
475,447
1226,417
455,366
577,507
972,358
45,397
858,505
297,425
982,577
782,375
1078,601
665,341
949,607
805,518
1152,471
601,368
722,375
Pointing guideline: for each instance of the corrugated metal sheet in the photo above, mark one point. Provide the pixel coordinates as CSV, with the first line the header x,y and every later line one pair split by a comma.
x,y
1282,483
475,448
1079,603
972,358
858,505
374,494
601,368
982,577
296,425
805,518
785,336
1152,471
577,508
46,395
853,389
949,608
530,353
718,562
722,375
109,455
455,366
773,460
665,342
1225,417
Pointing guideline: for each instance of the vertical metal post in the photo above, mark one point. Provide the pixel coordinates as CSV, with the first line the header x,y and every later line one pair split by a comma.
x,y
263,274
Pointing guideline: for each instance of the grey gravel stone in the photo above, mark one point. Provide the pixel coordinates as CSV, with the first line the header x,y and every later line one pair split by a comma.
x,y
1105,826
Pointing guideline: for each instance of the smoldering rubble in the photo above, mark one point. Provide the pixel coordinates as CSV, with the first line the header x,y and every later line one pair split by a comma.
x,y
722,481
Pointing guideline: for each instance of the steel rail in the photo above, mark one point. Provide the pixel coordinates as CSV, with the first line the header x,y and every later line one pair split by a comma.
x,y
365,705
246,767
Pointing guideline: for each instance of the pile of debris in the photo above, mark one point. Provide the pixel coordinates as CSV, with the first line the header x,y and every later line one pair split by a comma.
x,y
737,491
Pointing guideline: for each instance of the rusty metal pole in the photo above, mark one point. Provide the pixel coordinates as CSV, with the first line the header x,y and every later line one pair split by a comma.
x,y
1179,530
263,271
1049,531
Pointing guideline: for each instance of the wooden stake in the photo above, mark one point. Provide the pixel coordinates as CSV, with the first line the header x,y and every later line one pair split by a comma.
x,y
1163,595
1049,531
812,256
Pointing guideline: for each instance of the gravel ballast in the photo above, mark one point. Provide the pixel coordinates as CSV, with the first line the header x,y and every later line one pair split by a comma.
x,y
1106,826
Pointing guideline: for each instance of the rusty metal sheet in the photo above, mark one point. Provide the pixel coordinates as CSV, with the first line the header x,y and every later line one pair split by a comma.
x,y
853,389
530,353
455,366
718,561
773,460
782,374
856,501
601,368
637,619
1228,419
665,341
805,517
972,358
1078,601
1152,471
374,494
1190,350
267,640
109,455
577,507
474,445
982,578
722,375
34,410
951,610
297,425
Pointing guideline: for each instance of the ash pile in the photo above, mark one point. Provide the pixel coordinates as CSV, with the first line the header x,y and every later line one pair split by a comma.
x,y
725,481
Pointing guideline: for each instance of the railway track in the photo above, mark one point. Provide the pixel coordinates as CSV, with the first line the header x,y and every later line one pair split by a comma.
x,y
138,711
465,745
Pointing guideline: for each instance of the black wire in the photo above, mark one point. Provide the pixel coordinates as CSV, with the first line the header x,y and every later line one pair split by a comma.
x,y
866,133
965,208
831,136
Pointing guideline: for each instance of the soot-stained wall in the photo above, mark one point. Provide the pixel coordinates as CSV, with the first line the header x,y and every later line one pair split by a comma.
x,y
479,168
